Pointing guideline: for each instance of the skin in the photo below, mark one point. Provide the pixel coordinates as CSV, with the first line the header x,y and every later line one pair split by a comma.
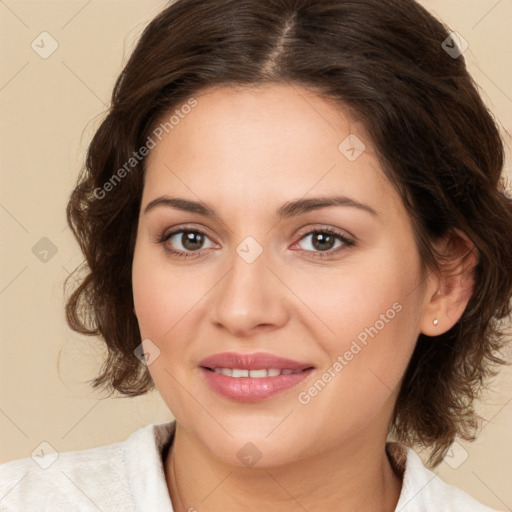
x,y
244,153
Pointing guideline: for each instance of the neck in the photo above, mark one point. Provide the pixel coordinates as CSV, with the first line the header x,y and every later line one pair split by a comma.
x,y
353,476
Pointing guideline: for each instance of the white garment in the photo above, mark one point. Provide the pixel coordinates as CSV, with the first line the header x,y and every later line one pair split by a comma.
x,y
129,477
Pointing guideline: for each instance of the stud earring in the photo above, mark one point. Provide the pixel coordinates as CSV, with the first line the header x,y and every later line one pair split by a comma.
x,y
436,321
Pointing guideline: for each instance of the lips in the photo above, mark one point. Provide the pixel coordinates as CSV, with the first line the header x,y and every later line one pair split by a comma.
x,y
252,377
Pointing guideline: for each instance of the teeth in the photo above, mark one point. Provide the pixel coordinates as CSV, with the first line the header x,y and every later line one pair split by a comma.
x,y
254,374
258,374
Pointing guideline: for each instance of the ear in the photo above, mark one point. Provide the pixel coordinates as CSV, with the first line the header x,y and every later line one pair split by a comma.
x,y
450,289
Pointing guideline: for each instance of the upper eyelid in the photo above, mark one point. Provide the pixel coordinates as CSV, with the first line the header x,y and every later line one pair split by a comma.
x,y
167,233
338,231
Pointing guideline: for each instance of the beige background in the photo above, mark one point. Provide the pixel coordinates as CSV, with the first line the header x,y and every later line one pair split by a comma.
x,y
50,108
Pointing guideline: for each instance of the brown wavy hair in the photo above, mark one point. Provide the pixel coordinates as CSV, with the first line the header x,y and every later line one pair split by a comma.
x,y
435,139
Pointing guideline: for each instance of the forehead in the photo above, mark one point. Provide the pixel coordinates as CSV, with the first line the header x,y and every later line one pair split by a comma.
x,y
277,115
262,142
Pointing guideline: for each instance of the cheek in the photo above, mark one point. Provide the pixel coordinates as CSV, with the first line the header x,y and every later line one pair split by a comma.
x,y
366,322
162,295
364,294
164,301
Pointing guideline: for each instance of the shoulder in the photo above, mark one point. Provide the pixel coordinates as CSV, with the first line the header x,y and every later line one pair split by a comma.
x,y
90,479
75,480
423,490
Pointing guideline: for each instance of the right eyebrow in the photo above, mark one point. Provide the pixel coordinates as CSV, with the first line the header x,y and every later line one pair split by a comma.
x,y
179,203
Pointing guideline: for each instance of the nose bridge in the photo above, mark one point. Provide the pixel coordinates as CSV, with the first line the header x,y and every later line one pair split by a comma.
x,y
249,296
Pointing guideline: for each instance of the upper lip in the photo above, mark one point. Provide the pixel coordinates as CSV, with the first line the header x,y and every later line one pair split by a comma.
x,y
257,361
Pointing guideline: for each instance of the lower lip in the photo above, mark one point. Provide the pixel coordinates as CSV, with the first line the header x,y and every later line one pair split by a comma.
x,y
247,389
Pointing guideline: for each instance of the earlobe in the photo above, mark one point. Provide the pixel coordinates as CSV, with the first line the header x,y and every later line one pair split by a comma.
x,y
454,285
432,319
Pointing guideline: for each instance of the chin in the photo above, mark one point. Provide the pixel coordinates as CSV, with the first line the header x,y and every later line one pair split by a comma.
x,y
254,440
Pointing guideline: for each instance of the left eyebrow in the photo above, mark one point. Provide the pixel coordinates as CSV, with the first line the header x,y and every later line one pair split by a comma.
x,y
301,206
287,210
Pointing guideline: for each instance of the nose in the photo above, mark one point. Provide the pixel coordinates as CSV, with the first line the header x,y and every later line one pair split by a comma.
x,y
250,298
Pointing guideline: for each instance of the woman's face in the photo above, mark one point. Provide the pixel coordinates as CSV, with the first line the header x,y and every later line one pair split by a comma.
x,y
344,306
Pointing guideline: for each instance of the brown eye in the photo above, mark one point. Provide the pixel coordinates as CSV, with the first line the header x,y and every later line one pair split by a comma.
x,y
192,240
324,241
185,242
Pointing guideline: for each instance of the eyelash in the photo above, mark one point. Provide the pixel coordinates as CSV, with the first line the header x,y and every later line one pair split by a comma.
x,y
320,254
